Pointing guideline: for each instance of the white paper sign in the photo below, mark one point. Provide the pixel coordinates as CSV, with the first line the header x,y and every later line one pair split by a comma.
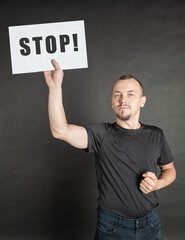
x,y
33,46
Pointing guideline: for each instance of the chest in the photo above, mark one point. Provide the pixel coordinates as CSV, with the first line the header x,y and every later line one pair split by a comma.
x,y
136,151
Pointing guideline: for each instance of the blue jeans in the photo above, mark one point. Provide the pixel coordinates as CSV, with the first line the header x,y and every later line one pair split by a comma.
x,y
113,227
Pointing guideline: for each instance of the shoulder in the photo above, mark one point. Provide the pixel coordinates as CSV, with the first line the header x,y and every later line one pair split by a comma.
x,y
99,128
152,128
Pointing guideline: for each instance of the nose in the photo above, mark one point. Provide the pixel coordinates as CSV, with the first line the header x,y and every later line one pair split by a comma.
x,y
123,100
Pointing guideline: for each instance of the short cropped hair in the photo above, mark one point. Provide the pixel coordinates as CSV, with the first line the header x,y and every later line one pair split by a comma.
x,y
129,76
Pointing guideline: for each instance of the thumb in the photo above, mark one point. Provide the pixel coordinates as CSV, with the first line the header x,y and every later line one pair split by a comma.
x,y
149,174
55,64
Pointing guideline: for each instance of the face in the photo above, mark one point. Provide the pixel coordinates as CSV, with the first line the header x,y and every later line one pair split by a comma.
x,y
127,99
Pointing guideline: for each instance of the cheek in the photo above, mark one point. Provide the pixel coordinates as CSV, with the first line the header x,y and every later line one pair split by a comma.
x,y
114,103
135,104
114,106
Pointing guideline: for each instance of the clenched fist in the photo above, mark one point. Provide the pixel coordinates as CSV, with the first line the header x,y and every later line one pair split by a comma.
x,y
149,183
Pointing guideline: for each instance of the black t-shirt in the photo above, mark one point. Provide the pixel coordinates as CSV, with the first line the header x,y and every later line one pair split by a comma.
x,y
122,156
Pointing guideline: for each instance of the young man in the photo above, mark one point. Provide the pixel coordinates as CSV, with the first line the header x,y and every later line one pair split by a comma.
x,y
127,153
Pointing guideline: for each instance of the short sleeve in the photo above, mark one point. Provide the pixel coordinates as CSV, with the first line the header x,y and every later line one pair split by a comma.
x,y
95,134
166,156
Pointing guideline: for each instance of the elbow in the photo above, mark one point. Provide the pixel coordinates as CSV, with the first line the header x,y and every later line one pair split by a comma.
x,y
175,174
59,134
55,134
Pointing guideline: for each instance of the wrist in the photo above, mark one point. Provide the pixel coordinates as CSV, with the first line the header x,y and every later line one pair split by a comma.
x,y
160,184
55,90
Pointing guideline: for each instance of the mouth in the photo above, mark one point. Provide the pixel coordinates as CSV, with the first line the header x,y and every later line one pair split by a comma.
x,y
123,107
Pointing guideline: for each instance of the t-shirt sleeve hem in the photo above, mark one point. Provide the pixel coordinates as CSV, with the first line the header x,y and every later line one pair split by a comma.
x,y
88,149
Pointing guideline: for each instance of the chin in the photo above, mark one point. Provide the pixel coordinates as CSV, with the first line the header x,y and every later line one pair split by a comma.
x,y
123,118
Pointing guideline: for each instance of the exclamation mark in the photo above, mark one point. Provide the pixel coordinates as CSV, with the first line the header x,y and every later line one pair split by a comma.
x,y
75,41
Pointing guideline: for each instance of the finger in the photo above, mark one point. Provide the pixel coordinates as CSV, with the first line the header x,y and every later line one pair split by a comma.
x,y
55,64
47,74
146,185
149,181
48,77
143,189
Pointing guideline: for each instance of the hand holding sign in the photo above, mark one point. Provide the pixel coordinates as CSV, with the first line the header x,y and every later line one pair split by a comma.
x,y
54,78
33,46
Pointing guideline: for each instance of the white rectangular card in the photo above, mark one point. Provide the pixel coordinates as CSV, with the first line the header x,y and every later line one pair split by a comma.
x,y
33,46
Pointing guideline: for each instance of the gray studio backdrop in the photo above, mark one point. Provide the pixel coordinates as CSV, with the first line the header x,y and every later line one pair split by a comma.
x,y
48,188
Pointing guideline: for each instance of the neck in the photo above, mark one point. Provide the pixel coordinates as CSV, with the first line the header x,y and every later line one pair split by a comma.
x,y
128,124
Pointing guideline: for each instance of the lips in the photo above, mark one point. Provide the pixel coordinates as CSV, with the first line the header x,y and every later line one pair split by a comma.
x,y
123,107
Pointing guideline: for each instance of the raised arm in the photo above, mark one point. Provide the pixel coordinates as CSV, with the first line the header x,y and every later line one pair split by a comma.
x,y
73,134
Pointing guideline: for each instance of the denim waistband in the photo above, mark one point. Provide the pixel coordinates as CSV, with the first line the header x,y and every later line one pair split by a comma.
x,y
138,222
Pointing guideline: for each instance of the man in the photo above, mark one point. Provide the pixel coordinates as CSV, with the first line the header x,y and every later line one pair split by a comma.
x,y
127,153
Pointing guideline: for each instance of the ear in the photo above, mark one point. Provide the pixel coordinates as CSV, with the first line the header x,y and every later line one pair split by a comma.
x,y
143,101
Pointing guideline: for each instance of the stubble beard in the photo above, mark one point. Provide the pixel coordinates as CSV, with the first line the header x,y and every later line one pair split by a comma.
x,y
123,117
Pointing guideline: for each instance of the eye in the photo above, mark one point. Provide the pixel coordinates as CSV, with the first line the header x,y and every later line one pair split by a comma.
x,y
131,94
117,95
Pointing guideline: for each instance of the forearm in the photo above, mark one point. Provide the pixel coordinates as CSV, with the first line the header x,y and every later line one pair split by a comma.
x,y
57,117
151,183
166,177
73,134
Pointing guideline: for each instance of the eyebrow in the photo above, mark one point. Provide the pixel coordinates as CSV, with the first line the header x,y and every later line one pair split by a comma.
x,y
131,91
117,92
127,91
